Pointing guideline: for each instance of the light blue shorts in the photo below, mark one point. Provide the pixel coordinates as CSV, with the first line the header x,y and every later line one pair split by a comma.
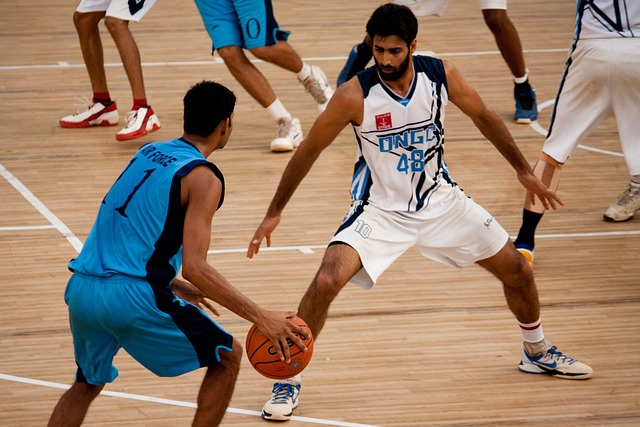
x,y
165,334
246,23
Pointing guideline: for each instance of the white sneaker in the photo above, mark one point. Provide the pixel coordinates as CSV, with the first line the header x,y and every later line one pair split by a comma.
x,y
92,114
283,400
626,206
139,123
288,137
318,86
556,364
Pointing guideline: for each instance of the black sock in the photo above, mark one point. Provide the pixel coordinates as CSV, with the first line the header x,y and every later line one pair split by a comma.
x,y
526,236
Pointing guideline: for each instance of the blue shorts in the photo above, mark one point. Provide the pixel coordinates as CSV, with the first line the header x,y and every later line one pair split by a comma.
x,y
246,23
165,334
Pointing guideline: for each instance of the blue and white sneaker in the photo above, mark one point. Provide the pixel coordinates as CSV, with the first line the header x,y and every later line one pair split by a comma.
x,y
526,105
556,364
283,400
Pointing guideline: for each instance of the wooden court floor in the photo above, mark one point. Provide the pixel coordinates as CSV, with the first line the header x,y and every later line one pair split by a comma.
x,y
428,345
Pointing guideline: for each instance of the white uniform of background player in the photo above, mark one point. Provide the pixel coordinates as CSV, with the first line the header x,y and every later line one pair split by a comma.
x,y
601,79
437,7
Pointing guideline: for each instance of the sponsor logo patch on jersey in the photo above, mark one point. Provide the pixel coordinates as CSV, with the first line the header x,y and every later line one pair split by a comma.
x,y
383,121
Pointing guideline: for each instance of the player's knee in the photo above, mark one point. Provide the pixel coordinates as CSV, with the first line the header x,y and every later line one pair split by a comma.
x,y
233,56
544,157
495,19
85,21
231,359
263,52
115,25
327,284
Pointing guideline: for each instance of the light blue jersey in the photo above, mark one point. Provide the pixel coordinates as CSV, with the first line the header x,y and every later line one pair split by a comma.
x,y
119,295
138,230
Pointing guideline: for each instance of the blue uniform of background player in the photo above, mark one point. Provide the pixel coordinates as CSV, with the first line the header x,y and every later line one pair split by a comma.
x,y
235,25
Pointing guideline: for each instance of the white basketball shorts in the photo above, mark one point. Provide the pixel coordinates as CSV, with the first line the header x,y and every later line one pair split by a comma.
x,y
458,236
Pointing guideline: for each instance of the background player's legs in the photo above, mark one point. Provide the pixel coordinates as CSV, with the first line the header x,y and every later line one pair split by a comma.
x,y
508,42
74,404
217,388
129,53
251,79
91,46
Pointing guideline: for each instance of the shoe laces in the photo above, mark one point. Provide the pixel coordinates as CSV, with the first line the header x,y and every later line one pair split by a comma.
x,y
525,95
629,194
316,88
82,103
131,117
284,128
553,353
281,393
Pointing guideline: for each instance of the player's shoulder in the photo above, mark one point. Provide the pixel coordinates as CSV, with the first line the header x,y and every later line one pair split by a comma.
x,y
434,68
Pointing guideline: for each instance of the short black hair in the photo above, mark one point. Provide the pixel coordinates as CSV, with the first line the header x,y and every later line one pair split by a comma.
x,y
207,104
393,20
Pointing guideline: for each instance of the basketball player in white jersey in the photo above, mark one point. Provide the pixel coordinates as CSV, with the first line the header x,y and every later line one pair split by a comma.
x,y
601,79
507,39
403,195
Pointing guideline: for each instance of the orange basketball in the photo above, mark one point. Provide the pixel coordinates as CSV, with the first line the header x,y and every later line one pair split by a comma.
x,y
265,360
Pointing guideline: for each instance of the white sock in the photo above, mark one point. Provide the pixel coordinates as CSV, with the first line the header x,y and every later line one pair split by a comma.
x,y
523,78
278,111
532,332
305,73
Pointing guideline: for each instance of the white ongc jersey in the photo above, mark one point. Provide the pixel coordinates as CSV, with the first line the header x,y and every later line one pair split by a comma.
x,y
597,19
399,164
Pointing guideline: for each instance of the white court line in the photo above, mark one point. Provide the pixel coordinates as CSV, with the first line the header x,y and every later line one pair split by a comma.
x,y
542,131
40,207
28,227
175,402
309,249
217,60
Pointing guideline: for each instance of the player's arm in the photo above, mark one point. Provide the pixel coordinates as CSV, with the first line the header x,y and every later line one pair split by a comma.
x,y
492,127
201,192
344,107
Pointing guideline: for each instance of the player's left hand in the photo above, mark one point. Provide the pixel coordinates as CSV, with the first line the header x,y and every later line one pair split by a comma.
x,y
189,292
536,188
263,231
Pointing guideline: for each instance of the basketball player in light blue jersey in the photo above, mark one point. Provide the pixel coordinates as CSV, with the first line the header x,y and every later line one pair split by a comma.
x,y
403,195
123,293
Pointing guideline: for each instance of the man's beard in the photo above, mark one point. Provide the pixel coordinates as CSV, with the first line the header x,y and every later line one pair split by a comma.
x,y
394,74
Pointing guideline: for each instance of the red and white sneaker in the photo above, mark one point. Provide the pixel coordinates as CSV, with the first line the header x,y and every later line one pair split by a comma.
x,y
95,114
139,123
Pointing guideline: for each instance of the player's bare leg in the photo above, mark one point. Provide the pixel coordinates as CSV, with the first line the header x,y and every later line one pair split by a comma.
x,y
91,46
339,264
280,54
74,404
129,54
217,388
251,79
517,280
521,294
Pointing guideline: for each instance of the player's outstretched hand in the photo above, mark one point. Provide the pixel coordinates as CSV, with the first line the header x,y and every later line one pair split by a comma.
x,y
536,188
278,327
264,230
189,292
